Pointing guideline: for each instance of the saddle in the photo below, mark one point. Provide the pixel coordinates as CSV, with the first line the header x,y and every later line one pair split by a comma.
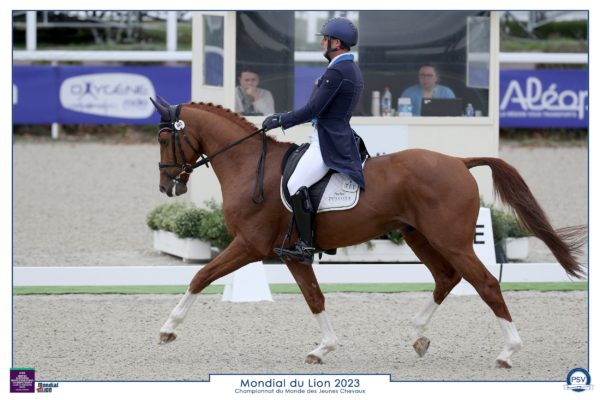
x,y
334,192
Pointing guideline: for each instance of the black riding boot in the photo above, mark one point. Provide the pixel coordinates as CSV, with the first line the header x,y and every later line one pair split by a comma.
x,y
303,250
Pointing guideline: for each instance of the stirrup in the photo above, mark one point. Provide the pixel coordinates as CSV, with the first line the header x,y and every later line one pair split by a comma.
x,y
300,252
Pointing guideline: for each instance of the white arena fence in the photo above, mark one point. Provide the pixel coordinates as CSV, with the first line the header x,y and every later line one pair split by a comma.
x,y
275,274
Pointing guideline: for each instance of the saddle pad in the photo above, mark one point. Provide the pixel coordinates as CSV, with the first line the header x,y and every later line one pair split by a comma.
x,y
334,192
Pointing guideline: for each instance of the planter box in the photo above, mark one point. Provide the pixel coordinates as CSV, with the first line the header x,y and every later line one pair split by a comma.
x,y
187,249
377,251
516,248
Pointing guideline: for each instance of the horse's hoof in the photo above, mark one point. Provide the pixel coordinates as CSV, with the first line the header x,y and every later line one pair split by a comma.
x,y
167,337
503,363
312,359
421,345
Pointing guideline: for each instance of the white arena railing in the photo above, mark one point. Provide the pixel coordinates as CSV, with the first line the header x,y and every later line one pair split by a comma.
x,y
299,56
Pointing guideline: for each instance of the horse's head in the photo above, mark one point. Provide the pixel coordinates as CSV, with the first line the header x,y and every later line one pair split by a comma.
x,y
178,152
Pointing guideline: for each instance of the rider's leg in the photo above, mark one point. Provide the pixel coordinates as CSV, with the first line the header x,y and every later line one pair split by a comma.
x,y
303,250
310,170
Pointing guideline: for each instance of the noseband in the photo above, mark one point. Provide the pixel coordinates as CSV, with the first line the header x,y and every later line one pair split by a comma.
x,y
176,127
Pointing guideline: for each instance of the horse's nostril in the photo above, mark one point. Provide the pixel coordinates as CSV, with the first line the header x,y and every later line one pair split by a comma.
x,y
162,188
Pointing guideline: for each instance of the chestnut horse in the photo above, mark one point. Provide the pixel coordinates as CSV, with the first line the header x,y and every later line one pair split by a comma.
x,y
431,197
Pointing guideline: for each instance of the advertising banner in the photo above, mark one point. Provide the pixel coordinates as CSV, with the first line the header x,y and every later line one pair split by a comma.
x,y
34,95
95,95
544,99
114,95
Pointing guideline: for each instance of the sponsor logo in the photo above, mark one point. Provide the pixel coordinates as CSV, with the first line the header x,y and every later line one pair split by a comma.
x,y
46,387
119,95
22,380
534,100
578,380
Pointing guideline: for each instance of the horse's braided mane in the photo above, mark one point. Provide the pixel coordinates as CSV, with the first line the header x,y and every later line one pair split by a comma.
x,y
226,113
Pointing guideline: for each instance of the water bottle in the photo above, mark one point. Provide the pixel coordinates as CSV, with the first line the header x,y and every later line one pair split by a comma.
x,y
404,107
386,102
469,111
375,103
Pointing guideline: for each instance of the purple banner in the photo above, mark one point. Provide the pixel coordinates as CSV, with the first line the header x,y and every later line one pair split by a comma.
x,y
544,99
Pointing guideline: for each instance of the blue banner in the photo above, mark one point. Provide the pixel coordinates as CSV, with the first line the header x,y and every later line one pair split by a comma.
x,y
95,95
35,96
112,95
544,99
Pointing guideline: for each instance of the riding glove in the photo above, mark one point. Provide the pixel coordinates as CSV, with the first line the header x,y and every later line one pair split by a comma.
x,y
272,121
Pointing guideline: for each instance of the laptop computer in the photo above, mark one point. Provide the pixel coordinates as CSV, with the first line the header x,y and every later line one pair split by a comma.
x,y
442,107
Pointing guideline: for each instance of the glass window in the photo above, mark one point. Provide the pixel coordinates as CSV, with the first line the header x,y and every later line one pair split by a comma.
x,y
423,54
443,55
264,62
478,52
213,50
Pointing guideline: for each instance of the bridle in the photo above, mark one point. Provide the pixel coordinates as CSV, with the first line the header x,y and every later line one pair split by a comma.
x,y
176,127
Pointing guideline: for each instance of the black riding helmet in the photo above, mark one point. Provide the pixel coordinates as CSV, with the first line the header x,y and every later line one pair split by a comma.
x,y
339,28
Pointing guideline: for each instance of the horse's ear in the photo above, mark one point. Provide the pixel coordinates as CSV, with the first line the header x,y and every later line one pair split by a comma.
x,y
163,101
162,110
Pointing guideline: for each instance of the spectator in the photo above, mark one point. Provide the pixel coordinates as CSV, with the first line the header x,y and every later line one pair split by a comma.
x,y
249,98
427,88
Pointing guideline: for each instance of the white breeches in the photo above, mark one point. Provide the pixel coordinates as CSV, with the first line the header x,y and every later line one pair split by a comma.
x,y
311,167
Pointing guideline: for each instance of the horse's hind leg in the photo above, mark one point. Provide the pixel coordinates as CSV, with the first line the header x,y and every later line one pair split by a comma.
x,y
307,281
445,278
488,287
465,262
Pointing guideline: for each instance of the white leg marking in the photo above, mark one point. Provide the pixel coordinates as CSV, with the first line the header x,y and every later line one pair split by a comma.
x,y
512,339
329,342
179,312
423,317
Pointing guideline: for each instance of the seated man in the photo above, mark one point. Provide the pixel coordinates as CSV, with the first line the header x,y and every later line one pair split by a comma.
x,y
249,98
427,88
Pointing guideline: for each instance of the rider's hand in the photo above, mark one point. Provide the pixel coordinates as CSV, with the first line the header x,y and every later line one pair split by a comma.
x,y
272,121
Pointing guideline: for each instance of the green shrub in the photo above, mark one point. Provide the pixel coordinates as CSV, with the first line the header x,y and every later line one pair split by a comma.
x,y
163,217
577,29
189,221
516,229
505,224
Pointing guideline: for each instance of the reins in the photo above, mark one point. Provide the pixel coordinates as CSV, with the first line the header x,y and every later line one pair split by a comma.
x,y
177,126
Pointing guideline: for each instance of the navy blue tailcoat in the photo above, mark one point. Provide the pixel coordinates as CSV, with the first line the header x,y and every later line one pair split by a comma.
x,y
336,95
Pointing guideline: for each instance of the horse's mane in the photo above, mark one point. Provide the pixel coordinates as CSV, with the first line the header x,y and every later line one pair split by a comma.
x,y
225,113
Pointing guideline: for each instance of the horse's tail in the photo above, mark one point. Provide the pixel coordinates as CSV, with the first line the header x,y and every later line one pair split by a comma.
x,y
564,243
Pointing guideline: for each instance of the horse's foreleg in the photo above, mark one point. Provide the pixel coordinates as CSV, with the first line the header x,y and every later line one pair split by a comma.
x,y
445,278
232,258
167,332
307,281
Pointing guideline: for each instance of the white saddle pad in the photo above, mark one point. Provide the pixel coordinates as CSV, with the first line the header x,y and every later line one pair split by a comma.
x,y
341,193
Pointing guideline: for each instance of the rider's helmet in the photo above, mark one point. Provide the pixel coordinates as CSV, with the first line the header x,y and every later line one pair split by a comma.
x,y
341,28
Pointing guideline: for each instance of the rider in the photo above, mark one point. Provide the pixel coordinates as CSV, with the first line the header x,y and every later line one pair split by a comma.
x,y
332,144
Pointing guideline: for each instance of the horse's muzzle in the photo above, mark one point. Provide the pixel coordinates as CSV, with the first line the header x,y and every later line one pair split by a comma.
x,y
175,188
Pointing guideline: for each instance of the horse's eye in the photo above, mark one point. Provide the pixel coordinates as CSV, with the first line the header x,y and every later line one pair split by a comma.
x,y
162,142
